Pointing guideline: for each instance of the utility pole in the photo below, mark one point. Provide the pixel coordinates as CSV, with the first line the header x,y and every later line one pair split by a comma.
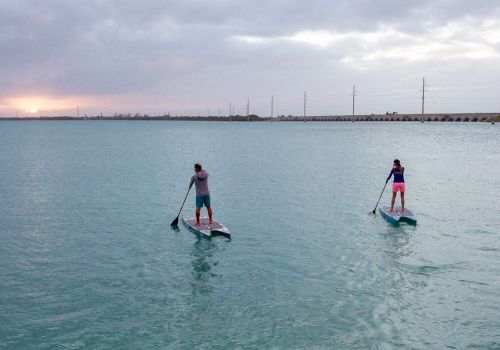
x,y
423,95
305,104
353,98
272,106
248,109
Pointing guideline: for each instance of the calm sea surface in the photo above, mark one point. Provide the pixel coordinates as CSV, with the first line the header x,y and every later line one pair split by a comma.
x,y
88,258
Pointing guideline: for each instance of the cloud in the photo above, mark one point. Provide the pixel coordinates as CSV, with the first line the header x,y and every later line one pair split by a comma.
x,y
453,41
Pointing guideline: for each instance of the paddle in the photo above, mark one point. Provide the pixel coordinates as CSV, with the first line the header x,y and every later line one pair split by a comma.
x,y
373,212
176,220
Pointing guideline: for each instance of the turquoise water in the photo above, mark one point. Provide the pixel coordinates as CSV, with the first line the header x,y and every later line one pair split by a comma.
x,y
88,258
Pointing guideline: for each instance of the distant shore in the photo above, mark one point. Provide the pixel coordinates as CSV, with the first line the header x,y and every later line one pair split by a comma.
x,y
435,117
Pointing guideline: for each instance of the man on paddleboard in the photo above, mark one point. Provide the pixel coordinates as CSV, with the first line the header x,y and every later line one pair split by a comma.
x,y
200,179
398,185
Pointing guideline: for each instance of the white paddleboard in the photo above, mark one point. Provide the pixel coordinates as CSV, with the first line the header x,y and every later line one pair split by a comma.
x,y
205,228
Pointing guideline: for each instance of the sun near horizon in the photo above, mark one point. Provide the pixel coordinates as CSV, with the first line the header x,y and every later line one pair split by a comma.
x,y
50,105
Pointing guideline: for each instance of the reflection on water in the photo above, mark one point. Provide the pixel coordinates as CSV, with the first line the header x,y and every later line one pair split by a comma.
x,y
398,241
203,264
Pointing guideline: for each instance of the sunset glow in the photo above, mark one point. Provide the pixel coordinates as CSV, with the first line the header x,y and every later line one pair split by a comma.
x,y
34,104
46,105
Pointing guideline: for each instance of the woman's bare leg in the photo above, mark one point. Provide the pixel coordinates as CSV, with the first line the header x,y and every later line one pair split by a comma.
x,y
393,200
402,201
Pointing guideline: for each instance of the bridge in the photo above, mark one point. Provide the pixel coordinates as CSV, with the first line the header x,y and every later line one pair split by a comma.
x,y
448,117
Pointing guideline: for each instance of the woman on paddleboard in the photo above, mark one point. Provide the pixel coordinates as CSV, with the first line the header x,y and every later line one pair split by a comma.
x,y
398,185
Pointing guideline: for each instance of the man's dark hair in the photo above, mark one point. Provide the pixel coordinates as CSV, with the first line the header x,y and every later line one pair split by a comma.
x,y
197,166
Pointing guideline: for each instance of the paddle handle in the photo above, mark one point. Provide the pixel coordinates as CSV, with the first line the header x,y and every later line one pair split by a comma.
x,y
182,206
381,193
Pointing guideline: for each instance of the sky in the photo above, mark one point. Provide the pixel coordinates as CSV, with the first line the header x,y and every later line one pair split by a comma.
x,y
194,57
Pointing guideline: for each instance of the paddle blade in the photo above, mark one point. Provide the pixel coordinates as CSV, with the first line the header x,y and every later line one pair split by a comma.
x,y
175,222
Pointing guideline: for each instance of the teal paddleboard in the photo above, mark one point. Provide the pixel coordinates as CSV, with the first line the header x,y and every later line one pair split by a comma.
x,y
397,215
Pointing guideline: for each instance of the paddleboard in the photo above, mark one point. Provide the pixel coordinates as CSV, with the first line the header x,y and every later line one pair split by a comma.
x,y
397,215
205,229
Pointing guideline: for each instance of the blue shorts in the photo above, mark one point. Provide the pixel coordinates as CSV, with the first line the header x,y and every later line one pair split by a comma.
x,y
200,200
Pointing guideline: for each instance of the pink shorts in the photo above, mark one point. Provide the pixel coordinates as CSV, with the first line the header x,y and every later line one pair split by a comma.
x,y
398,186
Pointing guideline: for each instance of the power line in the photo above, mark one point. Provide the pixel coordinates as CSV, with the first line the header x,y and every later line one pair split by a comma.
x,y
462,103
353,97
481,98
272,106
305,103
248,109
423,95
461,88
